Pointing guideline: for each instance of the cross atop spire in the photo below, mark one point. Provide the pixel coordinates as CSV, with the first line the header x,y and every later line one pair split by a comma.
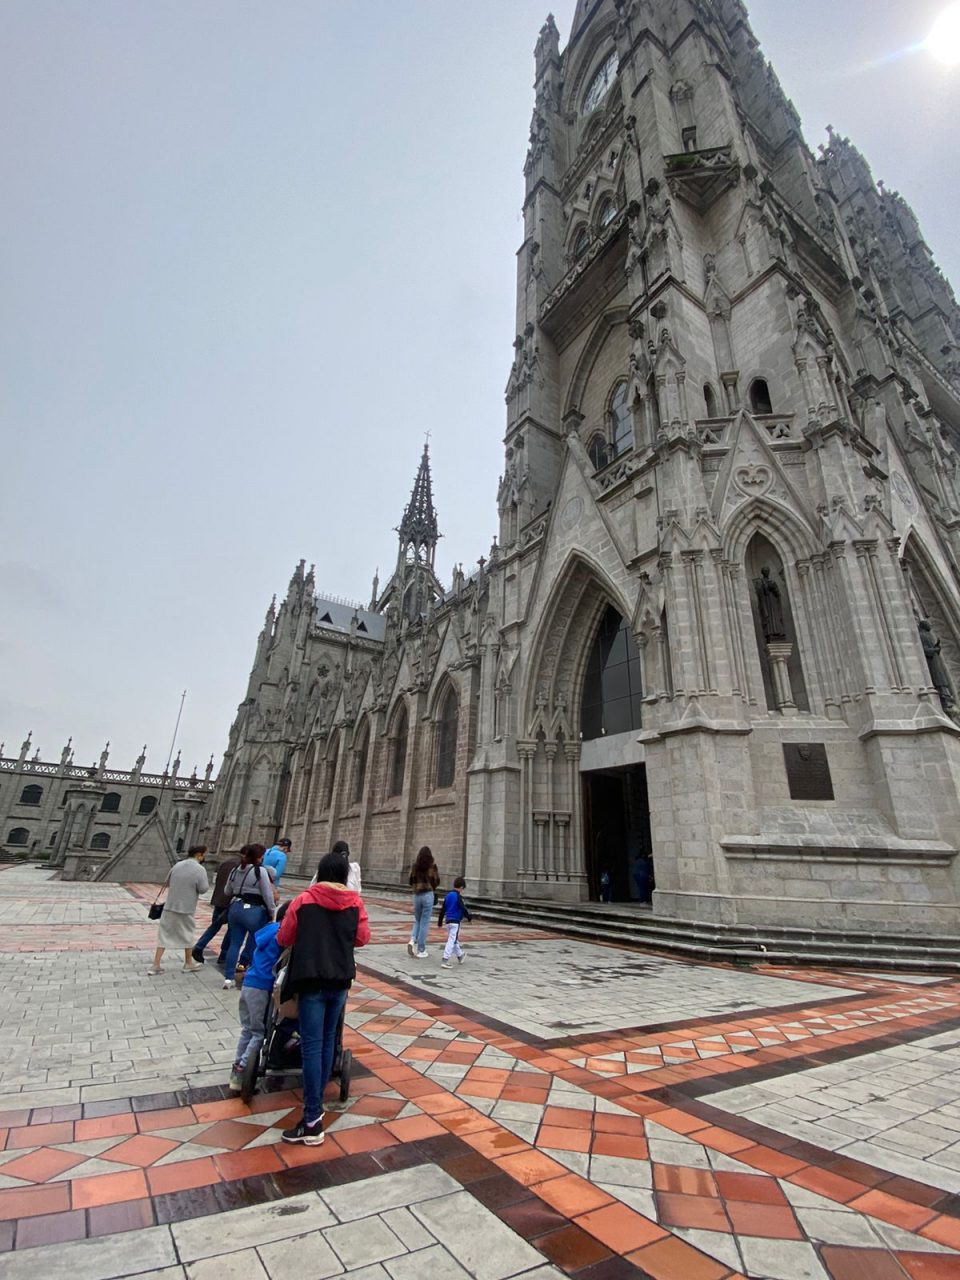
x,y
418,528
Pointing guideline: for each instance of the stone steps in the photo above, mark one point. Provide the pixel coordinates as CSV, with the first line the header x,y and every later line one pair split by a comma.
x,y
738,944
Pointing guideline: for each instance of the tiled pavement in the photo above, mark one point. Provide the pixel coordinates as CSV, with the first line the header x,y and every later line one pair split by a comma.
x,y
550,1108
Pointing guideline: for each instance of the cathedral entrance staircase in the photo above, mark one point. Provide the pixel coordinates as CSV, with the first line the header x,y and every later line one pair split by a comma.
x,y
729,944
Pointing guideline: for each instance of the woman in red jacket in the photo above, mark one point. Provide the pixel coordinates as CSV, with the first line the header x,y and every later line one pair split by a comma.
x,y
322,925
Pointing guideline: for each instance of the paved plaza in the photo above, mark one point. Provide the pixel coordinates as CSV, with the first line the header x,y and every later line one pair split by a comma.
x,y
550,1108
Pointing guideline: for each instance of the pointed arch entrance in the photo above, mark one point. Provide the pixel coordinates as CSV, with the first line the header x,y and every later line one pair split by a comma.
x,y
585,813
616,804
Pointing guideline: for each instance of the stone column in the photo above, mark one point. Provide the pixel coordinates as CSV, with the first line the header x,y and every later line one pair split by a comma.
x,y
779,654
549,862
572,752
526,751
562,823
540,820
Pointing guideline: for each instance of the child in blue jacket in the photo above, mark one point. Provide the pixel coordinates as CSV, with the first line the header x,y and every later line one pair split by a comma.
x,y
255,997
453,912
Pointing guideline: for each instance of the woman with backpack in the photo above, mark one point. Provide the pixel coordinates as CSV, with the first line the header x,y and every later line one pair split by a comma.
x,y
424,879
253,902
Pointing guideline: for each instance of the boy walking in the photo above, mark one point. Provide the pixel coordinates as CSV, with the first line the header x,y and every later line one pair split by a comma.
x,y
453,913
255,997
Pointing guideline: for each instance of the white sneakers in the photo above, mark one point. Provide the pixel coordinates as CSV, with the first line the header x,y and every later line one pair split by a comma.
x,y
228,984
411,948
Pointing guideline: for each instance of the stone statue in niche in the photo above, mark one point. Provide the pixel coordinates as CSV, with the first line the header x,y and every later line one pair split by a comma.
x,y
770,607
938,671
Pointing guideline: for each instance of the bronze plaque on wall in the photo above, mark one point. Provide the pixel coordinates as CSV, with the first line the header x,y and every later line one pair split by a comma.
x,y
808,771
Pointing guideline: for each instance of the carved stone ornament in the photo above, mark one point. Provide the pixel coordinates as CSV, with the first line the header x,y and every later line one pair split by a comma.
x,y
571,512
903,491
753,480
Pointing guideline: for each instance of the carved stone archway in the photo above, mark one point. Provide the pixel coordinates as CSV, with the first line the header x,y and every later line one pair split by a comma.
x,y
551,861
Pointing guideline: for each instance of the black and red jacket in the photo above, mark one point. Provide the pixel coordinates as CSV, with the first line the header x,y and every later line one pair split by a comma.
x,y
323,925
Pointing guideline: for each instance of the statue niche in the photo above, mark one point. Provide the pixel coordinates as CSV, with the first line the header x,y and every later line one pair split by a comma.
x,y
939,676
783,681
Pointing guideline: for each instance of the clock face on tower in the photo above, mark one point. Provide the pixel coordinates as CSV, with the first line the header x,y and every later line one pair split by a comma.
x,y
600,83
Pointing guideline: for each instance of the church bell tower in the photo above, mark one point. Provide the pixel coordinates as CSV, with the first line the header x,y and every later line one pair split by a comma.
x,y
731,448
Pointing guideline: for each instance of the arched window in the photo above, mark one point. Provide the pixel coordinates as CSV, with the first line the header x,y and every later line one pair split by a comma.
x,y
582,243
709,400
306,777
147,805
31,795
760,401
333,755
111,802
447,738
612,691
398,758
597,449
360,752
19,835
101,840
608,211
620,420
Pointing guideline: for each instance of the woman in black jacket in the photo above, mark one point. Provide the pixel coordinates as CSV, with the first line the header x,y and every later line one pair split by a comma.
x,y
322,925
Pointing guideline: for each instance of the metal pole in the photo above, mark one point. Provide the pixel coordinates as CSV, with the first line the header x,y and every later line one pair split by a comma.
x,y
176,730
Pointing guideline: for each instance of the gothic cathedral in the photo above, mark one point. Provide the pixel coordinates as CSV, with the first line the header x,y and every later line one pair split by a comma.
x,y
712,661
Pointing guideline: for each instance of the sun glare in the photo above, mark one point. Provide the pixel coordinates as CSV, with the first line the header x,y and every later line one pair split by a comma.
x,y
943,42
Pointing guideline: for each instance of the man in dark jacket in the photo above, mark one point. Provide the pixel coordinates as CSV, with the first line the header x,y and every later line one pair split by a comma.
x,y
322,925
220,902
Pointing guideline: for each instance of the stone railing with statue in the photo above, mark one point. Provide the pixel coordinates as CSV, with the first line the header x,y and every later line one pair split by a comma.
x,y
91,773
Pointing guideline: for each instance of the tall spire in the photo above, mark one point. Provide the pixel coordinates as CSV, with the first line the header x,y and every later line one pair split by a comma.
x,y
418,528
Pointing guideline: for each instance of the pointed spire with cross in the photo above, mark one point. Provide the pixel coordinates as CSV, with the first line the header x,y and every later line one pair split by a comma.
x,y
418,528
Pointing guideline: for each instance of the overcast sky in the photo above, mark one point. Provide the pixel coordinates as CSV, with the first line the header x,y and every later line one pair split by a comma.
x,y
249,254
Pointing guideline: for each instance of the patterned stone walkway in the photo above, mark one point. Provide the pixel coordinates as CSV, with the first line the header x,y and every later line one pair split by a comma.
x,y
536,1112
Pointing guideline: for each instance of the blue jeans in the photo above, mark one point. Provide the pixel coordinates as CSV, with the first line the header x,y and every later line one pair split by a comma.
x,y
422,908
244,921
319,1018
216,924
246,957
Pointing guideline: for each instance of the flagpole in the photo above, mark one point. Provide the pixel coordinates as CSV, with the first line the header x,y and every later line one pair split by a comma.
x,y
176,730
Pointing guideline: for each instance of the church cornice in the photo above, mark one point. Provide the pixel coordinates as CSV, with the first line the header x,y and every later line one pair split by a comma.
x,y
541,184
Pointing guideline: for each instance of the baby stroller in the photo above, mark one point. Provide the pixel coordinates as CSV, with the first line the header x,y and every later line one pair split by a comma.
x,y
280,1049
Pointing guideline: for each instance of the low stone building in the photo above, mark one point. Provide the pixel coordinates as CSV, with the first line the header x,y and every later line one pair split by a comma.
x,y
715,648
81,818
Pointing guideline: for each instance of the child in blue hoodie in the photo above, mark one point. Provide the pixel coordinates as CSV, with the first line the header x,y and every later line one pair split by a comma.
x,y
255,997
453,913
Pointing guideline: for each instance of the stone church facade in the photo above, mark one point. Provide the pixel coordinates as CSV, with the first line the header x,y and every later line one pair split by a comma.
x,y
715,648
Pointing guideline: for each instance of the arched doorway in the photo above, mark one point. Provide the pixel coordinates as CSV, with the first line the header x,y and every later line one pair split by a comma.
x,y
616,805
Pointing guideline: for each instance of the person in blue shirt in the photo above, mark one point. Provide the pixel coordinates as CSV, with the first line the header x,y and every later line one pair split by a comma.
x,y
453,913
276,857
255,998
